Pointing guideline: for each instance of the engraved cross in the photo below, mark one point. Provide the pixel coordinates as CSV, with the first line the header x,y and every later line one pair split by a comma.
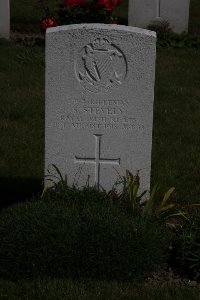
x,y
97,160
158,8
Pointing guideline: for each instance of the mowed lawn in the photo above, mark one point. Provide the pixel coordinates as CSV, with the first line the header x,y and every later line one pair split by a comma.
x,y
176,139
72,290
21,121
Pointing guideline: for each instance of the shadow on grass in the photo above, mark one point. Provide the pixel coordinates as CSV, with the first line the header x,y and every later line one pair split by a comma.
x,y
14,190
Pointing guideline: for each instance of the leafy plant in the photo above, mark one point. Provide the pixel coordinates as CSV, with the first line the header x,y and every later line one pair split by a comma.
x,y
158,207
163,208
166,38
78,11
160,26
57,188
187,248
55,177
128,197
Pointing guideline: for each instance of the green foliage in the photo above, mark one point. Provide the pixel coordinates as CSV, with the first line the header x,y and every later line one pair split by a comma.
x,y
176,216
164,208
131,185
157,206
169,39
160,26
128,197
187,248
77,12
82,14
58,189
77,239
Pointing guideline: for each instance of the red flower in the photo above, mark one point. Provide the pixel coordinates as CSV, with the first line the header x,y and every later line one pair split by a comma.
x,y
47,22
108,5
73,3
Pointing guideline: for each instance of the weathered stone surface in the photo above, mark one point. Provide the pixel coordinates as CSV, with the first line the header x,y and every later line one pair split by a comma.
x,y
99,102
176,12
5,19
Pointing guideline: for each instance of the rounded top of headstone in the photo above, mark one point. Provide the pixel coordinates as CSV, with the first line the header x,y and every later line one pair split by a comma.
x,y
96,26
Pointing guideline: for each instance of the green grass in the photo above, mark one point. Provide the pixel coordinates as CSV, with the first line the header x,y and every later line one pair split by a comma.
x,y
70,290
21,120
22,115
176,139
78,237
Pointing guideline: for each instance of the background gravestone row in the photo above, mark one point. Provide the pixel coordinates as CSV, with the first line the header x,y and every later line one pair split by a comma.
x,y
141,13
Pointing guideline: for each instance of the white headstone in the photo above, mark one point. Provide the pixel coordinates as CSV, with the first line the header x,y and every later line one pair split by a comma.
x,y
5,19
99,102
176,12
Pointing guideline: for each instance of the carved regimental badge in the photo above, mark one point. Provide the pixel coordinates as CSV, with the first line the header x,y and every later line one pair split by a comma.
x,y
100,66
